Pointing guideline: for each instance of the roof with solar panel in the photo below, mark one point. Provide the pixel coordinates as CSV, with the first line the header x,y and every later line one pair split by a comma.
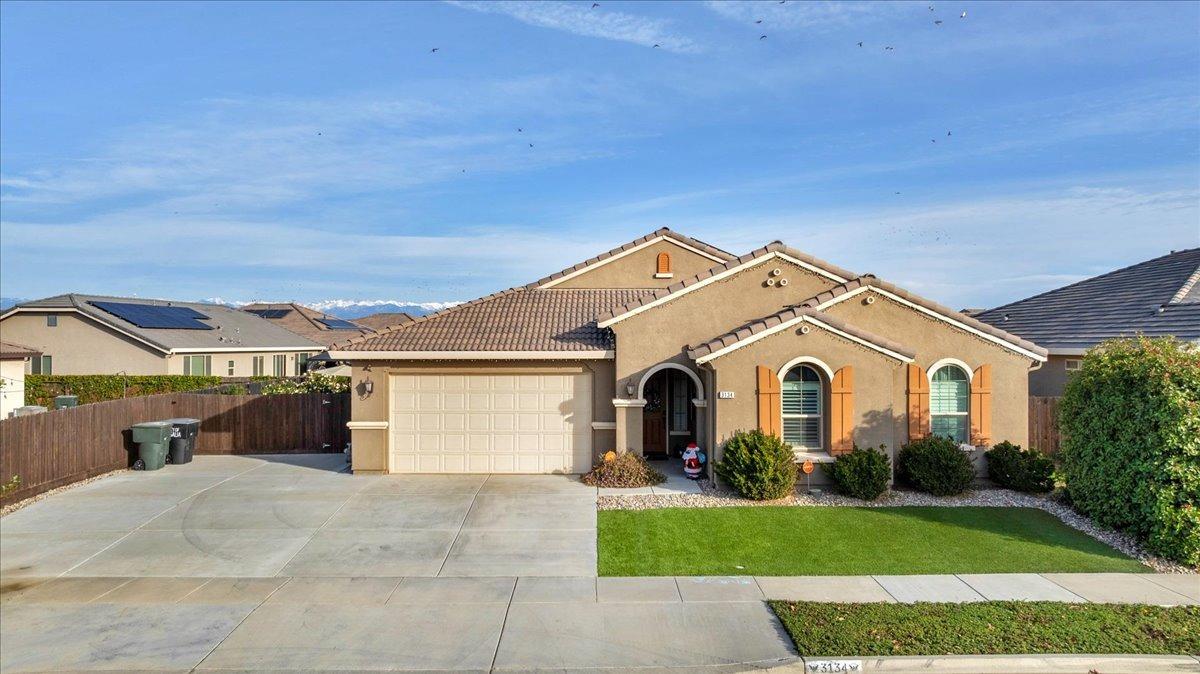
x,y
170,325
308,322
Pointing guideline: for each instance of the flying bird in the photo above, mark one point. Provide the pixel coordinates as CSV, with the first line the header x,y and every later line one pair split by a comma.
x,y
963,15
759,21
931,8
531,145
889,49
947,133
433,50
654,47
595,5
762,37
933,140
937,23
519,130
860,44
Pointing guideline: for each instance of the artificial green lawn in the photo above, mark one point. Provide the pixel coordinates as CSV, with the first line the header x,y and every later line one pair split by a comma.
x,y
1002,627
796,541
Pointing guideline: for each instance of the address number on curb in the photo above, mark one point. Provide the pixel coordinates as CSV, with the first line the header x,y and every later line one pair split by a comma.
x,y
832,666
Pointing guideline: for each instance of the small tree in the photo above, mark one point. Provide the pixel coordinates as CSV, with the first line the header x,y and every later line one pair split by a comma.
x,y
1130,426
759,466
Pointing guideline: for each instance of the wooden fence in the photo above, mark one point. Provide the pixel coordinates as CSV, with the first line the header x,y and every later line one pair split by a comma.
x,y
56,448
1043,424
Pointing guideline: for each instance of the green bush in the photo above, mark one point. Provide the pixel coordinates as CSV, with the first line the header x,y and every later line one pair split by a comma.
x,y
1013,468
759,466
625,470
935,465
1130,449
309,383
40,389
863,473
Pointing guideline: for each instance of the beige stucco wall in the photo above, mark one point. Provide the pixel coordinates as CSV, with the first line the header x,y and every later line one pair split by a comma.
x,y
370,446
12,393
933,340
878,384
636,270
243,363
1051,377
79,345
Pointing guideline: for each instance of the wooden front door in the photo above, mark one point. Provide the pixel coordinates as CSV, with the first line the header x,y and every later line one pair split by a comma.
x,y
654,416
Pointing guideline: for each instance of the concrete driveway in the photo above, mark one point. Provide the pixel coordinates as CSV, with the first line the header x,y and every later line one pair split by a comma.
x,y
281,562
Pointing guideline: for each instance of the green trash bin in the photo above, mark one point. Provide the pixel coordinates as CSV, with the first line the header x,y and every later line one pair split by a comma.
x,y
152,438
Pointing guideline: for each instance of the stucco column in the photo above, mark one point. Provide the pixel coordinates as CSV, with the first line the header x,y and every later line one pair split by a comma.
x,y
702,424
629,423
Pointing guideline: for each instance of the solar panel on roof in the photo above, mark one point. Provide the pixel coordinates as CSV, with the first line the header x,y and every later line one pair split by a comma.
x,y
270,313
155,316
338,324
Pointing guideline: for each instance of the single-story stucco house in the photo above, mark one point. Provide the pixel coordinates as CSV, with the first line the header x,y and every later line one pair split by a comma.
x,y
1156,298
667,340
14,360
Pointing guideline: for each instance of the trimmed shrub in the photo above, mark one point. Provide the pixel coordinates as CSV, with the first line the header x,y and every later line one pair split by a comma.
x,y
1130,452
625,470
40,389
1013,468
311,382
863,473
758,466
935,465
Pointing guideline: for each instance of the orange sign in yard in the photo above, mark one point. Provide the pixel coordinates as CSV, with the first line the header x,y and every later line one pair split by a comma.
x,y
807,467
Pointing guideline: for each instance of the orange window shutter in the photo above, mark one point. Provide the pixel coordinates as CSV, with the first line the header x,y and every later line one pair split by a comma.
x,y
769,419
981,406
918,402
841,411
664,263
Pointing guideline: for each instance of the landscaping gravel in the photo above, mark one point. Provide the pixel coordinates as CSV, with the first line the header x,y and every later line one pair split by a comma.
x,y
712,496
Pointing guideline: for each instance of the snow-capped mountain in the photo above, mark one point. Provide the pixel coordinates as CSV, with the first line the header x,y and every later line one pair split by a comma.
x,y
352,309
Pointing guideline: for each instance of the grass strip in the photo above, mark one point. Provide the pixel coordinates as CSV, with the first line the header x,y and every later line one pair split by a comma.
x,y
989,628
796,541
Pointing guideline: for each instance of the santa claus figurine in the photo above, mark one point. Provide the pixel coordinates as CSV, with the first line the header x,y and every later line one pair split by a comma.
x,y
693,461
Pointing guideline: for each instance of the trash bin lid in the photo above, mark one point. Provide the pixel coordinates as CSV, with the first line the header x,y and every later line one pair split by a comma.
x,y
179,421
152,424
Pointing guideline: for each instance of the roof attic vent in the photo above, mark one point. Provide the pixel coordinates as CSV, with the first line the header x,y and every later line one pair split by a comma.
x,y
1006,317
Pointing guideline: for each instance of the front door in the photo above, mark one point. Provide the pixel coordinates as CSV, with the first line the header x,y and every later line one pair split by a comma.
x,y
669,418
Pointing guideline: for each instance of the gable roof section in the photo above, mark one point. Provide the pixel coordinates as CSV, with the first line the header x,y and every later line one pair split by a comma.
x,y
516,323
305,321
699,247
1157,297
14,351
866,283
655,298
234,330
384,319
765,327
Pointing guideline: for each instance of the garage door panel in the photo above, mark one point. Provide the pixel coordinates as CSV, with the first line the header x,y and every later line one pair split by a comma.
x,y
536,423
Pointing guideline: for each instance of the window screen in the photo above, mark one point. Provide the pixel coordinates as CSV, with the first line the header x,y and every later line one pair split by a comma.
x,y
802,408
949,394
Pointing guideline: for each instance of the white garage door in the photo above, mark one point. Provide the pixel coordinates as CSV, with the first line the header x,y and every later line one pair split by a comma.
x,y
491,423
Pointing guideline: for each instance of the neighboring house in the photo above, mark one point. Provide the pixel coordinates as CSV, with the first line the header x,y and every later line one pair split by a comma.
x,y
314,325
13,361
383,320
667,340
1156,298
91,334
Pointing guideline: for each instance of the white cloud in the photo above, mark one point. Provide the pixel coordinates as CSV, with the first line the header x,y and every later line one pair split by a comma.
x,y
582,19
801,14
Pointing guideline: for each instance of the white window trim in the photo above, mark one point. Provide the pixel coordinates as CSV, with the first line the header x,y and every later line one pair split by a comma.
x,y
970,376
949,361
669,366
811,362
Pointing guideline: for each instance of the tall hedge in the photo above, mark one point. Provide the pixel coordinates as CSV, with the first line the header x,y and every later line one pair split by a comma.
x,y
40,389
1130,425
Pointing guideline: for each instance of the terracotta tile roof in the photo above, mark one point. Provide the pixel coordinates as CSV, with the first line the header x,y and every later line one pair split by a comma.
x,y
1157,297
518,319
304,321
14,351
763,324
773,247
869,280
664,232
383,319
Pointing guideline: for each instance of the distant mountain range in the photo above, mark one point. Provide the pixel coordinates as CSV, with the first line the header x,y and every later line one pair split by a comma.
x,y
349,309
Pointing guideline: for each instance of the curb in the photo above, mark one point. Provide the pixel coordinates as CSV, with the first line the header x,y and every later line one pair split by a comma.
x,y
998,664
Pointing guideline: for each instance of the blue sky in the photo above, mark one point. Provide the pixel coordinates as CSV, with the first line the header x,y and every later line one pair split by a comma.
x,y
317,151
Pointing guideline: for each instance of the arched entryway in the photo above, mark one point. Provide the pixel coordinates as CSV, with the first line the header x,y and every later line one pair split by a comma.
x,y
669,417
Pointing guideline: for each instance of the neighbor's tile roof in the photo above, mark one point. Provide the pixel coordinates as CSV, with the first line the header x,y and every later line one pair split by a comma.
x,y
519,319
1157,297
762,324
383,319
233,328
664,231
304,321
774,246
14,351
870,280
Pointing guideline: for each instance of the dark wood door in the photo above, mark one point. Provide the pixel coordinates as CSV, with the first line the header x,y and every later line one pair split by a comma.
x,y
654,416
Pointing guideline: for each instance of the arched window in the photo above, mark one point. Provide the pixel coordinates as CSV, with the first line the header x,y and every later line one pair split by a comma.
x,y
663,265
949,396
803,408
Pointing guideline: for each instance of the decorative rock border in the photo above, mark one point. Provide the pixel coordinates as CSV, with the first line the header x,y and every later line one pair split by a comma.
x,y
715,497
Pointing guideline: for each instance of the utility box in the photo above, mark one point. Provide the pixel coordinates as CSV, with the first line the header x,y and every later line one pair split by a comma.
x,y
152,438
62,402
28,410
